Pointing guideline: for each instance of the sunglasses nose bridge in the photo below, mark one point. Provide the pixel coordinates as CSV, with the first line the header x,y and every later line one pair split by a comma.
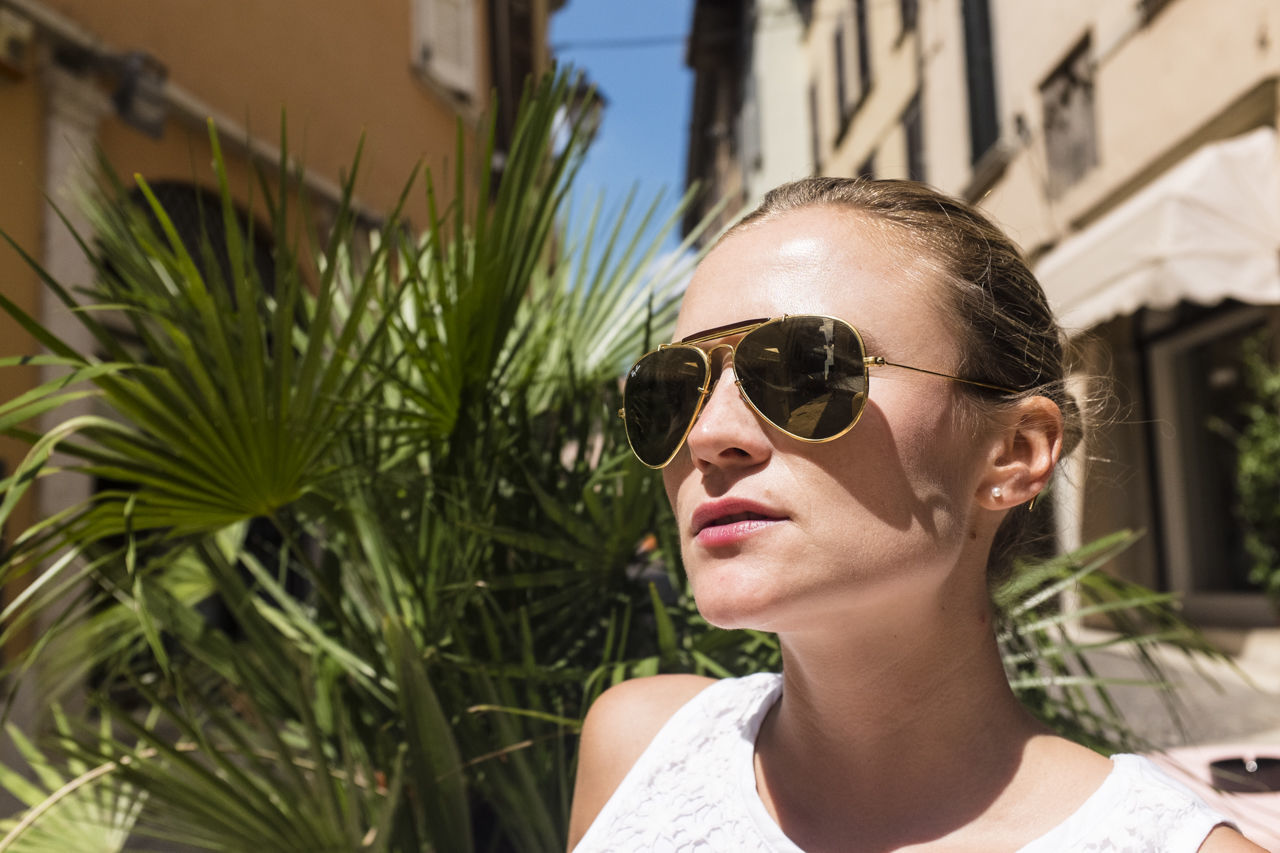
x,y
711,351
715,367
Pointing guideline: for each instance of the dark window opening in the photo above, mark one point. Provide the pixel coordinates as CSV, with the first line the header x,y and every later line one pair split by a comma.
x,y
867,171
984,121
1151,8
913,130
852,57
864,47
1071,148
1202,402
909,11
815,138
196,214
512,63
844,105
805,10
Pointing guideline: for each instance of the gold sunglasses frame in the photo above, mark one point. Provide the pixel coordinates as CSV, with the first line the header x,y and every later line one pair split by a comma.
x,y
745,328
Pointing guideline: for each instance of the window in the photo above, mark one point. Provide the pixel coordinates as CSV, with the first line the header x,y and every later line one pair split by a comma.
x,y
844,103
512,60
749,125
1151,8
980,77
864,46
868,168
1070,142
1198,391
196,214
815,136
913,131
908,12
852,64
805,9
444,44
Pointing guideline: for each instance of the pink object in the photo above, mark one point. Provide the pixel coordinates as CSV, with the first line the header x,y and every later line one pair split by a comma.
x,y
1233,768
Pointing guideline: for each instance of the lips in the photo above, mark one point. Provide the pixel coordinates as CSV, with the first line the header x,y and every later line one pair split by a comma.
x,y
732,511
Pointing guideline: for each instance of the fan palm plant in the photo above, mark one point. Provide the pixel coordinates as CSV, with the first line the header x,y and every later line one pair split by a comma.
x,y
392,432
397,469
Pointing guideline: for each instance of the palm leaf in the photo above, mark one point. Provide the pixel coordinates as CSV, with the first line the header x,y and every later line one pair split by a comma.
x,y
1052,672
69,808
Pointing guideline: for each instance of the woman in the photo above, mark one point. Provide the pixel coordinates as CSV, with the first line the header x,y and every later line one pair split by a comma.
x,y
864,530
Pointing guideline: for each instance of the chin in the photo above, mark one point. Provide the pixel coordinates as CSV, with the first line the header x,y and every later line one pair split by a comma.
x,y
745,609
730,621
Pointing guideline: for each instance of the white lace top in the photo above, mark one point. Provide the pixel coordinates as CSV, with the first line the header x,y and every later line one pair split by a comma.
x,y
693,789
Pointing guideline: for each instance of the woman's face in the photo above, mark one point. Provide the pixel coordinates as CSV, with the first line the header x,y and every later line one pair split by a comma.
x,y
782,535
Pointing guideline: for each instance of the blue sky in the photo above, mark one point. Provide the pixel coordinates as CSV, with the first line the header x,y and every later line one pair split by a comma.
x,y
633,50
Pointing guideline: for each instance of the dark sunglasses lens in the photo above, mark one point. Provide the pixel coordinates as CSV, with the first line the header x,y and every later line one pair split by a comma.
x,y
660,401
805,374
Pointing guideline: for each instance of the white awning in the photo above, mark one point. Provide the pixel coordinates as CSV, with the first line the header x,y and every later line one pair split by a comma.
x,y
1206,230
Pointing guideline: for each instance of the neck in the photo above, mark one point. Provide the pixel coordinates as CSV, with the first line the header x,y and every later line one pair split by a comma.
x,y
891,719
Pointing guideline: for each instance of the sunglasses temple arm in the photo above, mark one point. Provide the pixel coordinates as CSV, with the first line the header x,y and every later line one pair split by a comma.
x,y
879,361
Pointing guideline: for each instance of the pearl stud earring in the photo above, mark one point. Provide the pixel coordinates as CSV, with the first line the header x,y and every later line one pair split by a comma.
x,y
997,492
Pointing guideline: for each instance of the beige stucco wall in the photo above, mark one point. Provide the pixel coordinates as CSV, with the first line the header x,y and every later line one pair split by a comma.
x,y
894,79
944,99
1155,87
781,79
336,70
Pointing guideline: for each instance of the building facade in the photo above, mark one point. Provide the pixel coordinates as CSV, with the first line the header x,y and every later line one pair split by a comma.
x,y
141,82
1130,149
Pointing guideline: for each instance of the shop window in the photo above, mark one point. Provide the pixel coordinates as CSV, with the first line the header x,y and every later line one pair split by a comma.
x,y
1071,147
1198,392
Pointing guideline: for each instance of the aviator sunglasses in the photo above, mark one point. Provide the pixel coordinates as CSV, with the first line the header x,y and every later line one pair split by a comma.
x,y
805,374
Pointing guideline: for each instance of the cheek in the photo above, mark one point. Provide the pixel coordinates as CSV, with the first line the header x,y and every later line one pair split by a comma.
x,y
944,463
904,470
673,476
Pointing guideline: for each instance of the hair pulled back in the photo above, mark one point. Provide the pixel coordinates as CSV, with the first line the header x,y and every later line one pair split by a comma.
x,y
1007,333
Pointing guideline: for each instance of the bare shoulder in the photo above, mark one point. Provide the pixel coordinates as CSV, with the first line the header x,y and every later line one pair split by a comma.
x,y
1224,839
625,718
1063,771
620,724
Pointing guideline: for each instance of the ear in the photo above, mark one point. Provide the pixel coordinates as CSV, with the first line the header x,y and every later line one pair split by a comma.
x,y
1024,454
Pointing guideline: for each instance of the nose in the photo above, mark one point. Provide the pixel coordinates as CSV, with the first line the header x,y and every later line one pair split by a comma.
x,y
727,432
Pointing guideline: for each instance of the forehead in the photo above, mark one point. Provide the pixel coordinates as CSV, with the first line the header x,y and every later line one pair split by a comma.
x,y
812,261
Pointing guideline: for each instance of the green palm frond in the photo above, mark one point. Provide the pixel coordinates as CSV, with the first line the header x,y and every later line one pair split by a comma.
x,y
70,806
1051,670
396,420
